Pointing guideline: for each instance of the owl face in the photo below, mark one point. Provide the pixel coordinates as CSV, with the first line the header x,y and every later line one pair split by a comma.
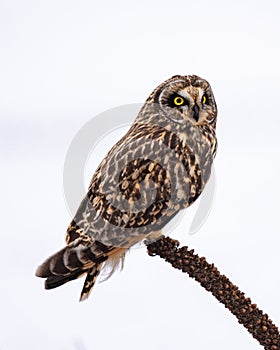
x,y
186,99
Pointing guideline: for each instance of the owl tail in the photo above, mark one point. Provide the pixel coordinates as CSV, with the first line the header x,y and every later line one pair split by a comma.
x,y
89,282
68,264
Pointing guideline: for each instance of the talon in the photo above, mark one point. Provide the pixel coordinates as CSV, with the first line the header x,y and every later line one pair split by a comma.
x,y
148,241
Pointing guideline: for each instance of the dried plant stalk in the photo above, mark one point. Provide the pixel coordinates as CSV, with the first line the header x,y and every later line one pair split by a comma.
x,y
254,320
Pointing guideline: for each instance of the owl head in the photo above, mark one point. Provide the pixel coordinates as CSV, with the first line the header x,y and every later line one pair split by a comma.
x,y
186,99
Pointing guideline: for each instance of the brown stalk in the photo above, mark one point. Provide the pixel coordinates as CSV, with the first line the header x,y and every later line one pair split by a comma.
x,y
253,319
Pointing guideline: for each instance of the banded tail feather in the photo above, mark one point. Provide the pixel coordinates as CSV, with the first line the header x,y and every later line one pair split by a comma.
x,y
89,282
70,263
77,259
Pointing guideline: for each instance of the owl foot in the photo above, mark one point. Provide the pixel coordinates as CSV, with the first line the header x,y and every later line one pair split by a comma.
x,y
153,237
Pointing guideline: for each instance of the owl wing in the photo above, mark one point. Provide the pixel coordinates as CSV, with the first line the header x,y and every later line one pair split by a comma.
x,y
138,187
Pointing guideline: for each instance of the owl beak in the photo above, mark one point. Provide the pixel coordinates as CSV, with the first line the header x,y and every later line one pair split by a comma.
x,y
196,112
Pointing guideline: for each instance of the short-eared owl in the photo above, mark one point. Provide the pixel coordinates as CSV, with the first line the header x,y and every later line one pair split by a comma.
x,y
158,168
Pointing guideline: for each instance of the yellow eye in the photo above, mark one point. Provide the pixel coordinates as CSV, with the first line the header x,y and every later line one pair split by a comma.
x,y
178,101
204,99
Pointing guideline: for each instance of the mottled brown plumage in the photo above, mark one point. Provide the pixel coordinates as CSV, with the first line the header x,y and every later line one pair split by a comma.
x,y
158,168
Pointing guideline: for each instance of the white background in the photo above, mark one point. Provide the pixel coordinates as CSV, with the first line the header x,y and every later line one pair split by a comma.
x,y
61,63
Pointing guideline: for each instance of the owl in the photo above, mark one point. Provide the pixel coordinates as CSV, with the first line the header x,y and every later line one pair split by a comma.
x,y
159,167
